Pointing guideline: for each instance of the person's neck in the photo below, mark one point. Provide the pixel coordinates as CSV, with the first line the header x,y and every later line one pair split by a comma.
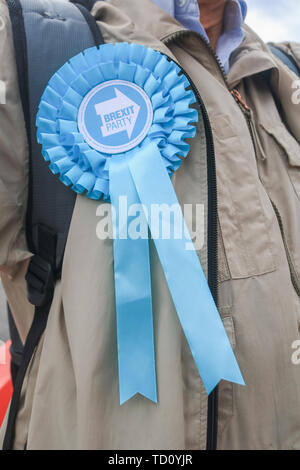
x,y
211,13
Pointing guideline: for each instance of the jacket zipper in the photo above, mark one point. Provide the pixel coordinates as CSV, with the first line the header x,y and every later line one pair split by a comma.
x,y
212,256
212,412
248,115
185,32
212,228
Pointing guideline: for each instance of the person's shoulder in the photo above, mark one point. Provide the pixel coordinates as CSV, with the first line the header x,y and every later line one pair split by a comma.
x,y
138,21
4,15
6,43
291,48
7,50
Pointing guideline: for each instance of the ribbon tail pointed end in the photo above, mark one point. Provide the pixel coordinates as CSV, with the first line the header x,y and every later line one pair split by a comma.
x,y
236,378
152,396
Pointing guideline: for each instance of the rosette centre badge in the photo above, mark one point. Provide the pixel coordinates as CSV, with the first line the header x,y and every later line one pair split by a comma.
x,y
115,116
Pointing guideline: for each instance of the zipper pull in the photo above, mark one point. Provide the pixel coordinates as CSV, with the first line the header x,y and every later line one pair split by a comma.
x,y
238,98
255,138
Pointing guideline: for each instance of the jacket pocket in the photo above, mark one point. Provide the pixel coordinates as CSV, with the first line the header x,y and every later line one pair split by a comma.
x,y
242,202
289,149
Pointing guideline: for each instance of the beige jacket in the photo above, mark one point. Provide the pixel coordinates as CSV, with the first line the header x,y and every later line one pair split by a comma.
x,y
70,395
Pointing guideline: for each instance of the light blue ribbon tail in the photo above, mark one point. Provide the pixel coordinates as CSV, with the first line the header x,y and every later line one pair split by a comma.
x,y
188,286
135,335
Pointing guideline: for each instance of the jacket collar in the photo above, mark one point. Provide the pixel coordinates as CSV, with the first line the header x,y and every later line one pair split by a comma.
x,y
251,58
188,14
146,22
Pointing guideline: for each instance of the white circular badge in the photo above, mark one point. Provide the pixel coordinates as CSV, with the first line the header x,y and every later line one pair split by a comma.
x,y
115,116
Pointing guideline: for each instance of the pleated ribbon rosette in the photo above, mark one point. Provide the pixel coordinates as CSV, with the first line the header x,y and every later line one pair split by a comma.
x,y
113,122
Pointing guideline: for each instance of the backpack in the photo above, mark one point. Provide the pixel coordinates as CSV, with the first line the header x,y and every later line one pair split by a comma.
x,y
285,58
69,28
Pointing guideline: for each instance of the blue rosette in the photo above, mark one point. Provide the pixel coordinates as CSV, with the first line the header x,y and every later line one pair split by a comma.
x,y
113,122
79,165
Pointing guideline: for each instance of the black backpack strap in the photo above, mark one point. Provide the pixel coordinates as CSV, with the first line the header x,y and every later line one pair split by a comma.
x,y
286,59
40,278
46,34
87,4
16,347
98,38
